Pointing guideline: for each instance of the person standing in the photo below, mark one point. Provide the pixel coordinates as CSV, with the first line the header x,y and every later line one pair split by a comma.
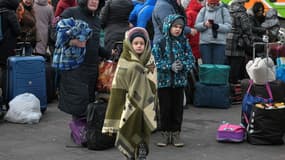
x,y
77,86
162,9
114,16
213,22
10,30
44,16
174,60
27,19
238,40
192,11
130,112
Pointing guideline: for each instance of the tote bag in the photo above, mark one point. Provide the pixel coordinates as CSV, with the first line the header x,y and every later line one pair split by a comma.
x,y
249,100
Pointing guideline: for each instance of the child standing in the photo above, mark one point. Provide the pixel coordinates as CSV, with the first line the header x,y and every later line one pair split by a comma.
x,y
130,111
174,60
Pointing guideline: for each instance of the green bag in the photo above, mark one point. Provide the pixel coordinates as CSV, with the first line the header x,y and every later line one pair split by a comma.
x,y
214,73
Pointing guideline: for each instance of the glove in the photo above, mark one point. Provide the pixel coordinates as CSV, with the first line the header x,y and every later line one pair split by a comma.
x,y
215,26
176,66
179,65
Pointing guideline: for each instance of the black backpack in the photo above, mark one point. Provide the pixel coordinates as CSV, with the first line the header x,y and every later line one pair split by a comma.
x,y
95,119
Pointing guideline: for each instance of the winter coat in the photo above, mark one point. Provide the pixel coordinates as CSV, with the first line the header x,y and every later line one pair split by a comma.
x,y
114,16
174,48
77,86
221,16
130,112
44,16
133,17
62,5
162,9
10,29
192,11
145,13
240,36
28,25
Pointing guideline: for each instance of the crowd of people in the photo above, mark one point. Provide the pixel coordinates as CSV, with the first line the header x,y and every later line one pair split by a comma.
x,y
175,33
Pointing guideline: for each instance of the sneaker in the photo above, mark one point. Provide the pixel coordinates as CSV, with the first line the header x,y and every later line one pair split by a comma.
x,y
142,152
164,139
176,139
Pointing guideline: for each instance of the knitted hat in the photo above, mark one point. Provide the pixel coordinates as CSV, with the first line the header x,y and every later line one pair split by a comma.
x,y
179,21
214,1
137,34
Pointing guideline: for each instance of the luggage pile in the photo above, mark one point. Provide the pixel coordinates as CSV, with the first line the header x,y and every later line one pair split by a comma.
x,y
263,108
213,88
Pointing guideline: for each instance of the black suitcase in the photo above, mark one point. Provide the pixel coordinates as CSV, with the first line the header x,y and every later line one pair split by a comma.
x,y
95,119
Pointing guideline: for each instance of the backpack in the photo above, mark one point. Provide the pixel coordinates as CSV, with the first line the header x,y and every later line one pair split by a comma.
x,y
1,29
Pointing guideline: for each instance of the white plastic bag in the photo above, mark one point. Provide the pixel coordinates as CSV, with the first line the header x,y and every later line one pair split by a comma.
x,y
261,70
24,108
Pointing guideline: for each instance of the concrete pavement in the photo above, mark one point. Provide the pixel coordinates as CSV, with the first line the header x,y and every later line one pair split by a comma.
x,y
50,140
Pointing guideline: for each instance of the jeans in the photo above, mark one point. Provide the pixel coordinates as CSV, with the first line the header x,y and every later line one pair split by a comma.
x,y
213,53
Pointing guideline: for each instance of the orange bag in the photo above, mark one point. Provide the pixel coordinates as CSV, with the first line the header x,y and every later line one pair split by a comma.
x,y
107,70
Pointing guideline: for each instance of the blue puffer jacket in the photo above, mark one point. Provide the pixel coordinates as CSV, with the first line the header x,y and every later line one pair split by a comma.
x,y
168,50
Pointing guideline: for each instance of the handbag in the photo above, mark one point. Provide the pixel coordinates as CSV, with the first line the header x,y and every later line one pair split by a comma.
x,y
249,100
266,125
228,132
107,70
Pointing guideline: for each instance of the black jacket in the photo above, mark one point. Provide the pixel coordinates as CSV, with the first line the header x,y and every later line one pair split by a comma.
x,y
10,28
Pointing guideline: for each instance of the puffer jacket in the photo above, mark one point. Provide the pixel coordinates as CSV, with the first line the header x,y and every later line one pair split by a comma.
x,y
221,16
168,50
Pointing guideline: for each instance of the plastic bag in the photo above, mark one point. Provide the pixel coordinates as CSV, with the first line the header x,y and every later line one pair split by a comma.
x,y
261,70
24,108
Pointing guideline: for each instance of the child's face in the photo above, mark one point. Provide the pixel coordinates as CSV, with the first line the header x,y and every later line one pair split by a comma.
x,y
176,30
138,44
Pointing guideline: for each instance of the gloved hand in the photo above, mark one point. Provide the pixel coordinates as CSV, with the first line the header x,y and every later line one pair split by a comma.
x,y
215,26
176,66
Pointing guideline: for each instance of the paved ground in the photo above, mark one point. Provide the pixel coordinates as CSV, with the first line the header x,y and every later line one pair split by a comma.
x,y
50,140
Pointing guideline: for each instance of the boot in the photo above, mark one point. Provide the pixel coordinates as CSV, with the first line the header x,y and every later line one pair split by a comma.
x,y
142,152
176,139
164,139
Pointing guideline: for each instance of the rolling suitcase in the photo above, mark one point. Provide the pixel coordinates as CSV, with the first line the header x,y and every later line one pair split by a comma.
x,y
27,74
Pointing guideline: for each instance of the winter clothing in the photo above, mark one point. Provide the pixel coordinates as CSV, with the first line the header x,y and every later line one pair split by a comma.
x,y
177,47
272,24
238,40
130,112
114,16
214,36
62,5
162,9
174,60
192,11
44,16
133,36
133,17
70,57
77,86
10,30
240,36
28,25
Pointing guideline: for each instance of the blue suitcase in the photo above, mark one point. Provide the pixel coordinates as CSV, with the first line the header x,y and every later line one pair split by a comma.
x,y
214,96
27,74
